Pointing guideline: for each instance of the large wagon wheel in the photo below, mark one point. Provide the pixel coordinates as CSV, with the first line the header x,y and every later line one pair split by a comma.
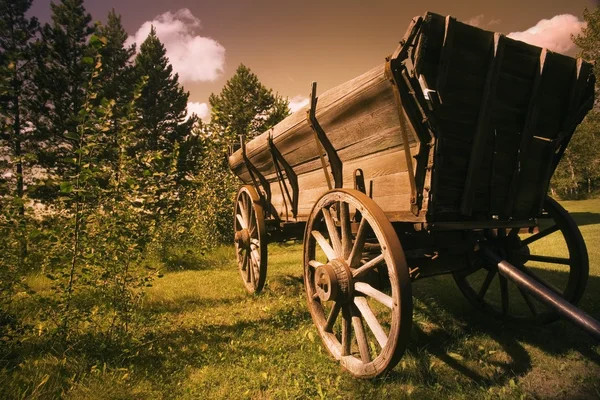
x,y
564,268
357,284
250,239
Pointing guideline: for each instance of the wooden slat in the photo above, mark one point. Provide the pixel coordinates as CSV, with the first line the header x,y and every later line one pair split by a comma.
x,y
527,134
446,54
577,85
483,131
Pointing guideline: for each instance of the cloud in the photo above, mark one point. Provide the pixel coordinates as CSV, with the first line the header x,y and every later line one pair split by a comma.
x,y
195,58
475,21
297,102
479,20
553,34
200,109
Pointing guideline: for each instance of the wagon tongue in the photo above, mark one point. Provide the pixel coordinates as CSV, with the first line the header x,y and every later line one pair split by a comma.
x,y
543,293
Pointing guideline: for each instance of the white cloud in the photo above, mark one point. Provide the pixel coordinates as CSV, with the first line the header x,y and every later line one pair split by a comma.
x,y
195,58
297,102
475,21
479,20
553,34
200,109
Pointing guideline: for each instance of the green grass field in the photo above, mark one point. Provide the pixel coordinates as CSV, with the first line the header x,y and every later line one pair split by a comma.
x,y
210,339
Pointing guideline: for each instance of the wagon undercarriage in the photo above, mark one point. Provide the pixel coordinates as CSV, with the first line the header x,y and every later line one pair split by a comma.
x,y
437,162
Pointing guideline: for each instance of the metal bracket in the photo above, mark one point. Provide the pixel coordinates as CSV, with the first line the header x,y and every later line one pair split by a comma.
x,y
258,180
278,161
359,181
404,127
323,143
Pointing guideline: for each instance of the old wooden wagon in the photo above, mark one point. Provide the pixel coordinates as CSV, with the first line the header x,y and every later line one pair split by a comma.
x,y
437,161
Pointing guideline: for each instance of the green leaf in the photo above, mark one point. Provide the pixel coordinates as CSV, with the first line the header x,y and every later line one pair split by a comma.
x,y
87,60
72,135
66,187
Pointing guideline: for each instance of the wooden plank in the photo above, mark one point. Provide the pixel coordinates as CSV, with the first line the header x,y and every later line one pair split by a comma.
x,y
483,130
579,81
446,53
527,133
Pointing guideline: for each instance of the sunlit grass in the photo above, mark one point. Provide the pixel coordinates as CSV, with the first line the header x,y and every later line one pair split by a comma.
x,y
209,338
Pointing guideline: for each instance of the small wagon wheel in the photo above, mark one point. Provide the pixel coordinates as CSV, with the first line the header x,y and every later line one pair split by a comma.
x,y
357,283
564,269
250,239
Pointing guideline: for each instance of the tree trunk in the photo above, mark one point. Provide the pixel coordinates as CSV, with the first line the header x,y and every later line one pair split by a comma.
x,y
19,167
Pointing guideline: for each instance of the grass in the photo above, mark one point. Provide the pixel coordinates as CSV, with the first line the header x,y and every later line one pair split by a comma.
x,y
207,338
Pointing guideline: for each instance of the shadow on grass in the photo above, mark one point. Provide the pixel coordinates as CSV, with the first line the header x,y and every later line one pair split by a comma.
x,y
586,218
448,308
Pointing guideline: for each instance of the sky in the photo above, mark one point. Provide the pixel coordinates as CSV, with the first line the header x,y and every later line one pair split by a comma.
x,y
289,44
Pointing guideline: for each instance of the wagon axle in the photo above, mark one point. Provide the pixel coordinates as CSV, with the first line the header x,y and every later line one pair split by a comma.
x,y
544,294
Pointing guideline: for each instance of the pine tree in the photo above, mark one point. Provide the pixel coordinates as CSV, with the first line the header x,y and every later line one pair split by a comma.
x,y
63,76
162,130
17,35
579,169
116,79
245,107
163,103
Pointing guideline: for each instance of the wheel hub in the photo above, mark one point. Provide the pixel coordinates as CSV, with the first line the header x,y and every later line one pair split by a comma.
x,y
242,238
333,281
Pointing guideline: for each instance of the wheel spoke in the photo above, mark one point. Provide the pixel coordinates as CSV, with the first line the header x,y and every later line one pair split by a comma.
x,y
359,244
370,291
361,337
256,257
528,301
251,221
548,259
486,284
253,231
503,293
247,268
367,266
333,233
315,264
346,229
329,252
248,207
539,235
346,331
367,313
332,317
241,221
242,208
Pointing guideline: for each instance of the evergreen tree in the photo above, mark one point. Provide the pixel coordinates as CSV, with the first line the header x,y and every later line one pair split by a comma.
x,y
162,105
64,73
588,41
245,107
579,170
116,78
162,129
17,35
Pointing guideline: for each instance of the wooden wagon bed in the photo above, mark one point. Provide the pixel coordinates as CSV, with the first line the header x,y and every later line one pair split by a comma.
x,y
459,124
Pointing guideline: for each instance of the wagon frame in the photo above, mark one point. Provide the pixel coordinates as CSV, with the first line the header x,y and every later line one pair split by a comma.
x,y
364,246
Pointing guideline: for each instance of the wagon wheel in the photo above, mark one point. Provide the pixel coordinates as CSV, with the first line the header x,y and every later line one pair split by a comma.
x,y
357,284
564,269
250,239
